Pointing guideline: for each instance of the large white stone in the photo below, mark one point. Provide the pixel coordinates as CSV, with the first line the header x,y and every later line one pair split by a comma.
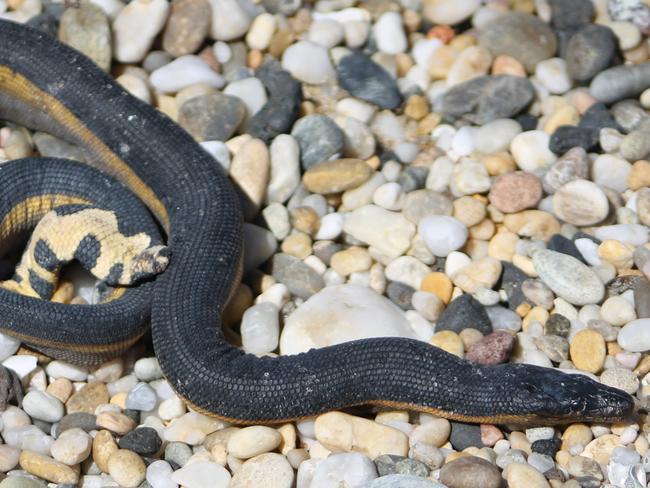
x,y
135,28
342,313
230,20
308,62
389,33
635,336
344,469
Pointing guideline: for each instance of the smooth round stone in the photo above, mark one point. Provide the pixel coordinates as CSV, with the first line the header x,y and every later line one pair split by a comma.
x,y
339,314
449,12
260,328
141,397
47,468
633,234
135,28
470,471
270,470
147,369
61,369
522,475
552,73
212,117
319,139
326,32
408,270
621,378
43,406
18,481
496,136
8,458
561,273
530,150
402,481
126,468
588,350
21,365
252,441
617,311
187,27
442,234
464,312
365,79
143,440
634,337
251,91
261,32
581,203
590,51
230,19
389,32
611,172
86,29
619,82
194,475
336,176
8,346
344,469
572,165
159,475
514,192
522,36
72,447
285,168
308,62
29,438
183,72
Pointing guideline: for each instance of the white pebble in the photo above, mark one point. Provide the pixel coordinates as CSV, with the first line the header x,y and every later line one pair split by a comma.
x,y
389,33
61,369
147,369
171,408
344,469
201,474
389,196
21,365
251,91
261,32
308,62
634,337
159,475
135,28
553,74
611,171
442,234
43,406
183,72
617,311
230,19
496,136
260,328
8,346
326,32
530,150
72,447
464,140
634,234
331,226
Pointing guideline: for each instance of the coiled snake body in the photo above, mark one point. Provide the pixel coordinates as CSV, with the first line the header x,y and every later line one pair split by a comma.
x,y
48,86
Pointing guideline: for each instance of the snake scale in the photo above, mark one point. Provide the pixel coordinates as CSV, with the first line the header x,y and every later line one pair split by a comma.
x,y
48,86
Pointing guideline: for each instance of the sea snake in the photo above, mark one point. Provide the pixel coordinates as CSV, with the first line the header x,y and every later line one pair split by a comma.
x,y
48,86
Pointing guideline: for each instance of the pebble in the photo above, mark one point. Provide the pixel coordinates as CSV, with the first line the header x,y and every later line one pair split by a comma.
x,y
521,475
300,279
185,71
86,29
633,336
570,166
250,170
494,348
336,176
521,36
141,397
115,422
159,475
402,481
72,447
212,117
495,136
389,32
620,82
8,458
319,68
580,202
449,12
462,313
590,51
365,79
319,139
135,28
147,369
560,272
187,27
21,482
250,91
530,151
630,10
588,351
388,464
513,192
252,441
465,435
43,406
61,369
285,168
476,100
365,314
470,471
442,234
327,32
339,431
8,346
553,74
633,234
620,378
143,440
47,468
270,469
343,469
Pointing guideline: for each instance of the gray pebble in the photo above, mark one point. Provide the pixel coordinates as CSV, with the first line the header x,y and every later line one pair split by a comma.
x,y
319,139
212,117
572,165
629,114
556,348
642,298
635,145
557,325
81,420
621,82
301,280
422,203
392,464
155,60
402,481
177,453
53,147
590,51
400,294
21,482
86,28
141,397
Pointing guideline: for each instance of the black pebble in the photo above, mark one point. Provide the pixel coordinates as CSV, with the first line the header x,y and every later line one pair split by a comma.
x,y
400,294
464,312
413,178
546,446
85,421
465,435
598,117
557,325
527,121
570,14
511,281
559,243
566,137
365,79
143,440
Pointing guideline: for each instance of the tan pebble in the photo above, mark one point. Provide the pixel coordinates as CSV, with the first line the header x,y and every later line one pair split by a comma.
x,y
119,399
254,59
462,41
522,475
428,123
297,244
126,468
641,445
288,442
434,432
440,64
219,438
507,65
525,264
566,115
638,54
103,447
613,348
352,260
186,27
251,441
576,437
115,422
417,107
518,440
339,431
439,284
600,449
476,249
404,63
455,455
617,253
389,416
47,468
269,470
448,341
562,458
499,163
490,434
482,273
470,211
167,105
536,314
513,192
587,350
64,292
532,223
336,176
192,91
502,246
88,398
470,337
472,62
305,219
484,230
60,388
250,170
639,175
219,455
77,300
643,367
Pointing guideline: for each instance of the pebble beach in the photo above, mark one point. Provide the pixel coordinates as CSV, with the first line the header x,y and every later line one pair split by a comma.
x,y
473,174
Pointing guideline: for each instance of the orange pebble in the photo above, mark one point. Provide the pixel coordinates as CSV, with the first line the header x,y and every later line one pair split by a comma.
x,y
439,284
442,32
507,65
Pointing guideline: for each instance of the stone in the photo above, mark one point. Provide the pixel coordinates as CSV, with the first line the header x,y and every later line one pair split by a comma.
x,y
340,431
588,351
620,82
270,469
230,19
590,51
212,117
495,136
633,234
159,475
531,152
143,440
480,274
88,398
115,422
388,464
470,471
300,279
389,32
465,435
126,468
365,79
561,272
103,447
336,176
513,192
633,336
135,28
402,481
260,328
72,447
480,100
620,378
494,348
308,62
523,36
448,12
319,139
630,10
47,468
252,441
43,406
570,166
86,29
567,16
192,428
61,369
442,234
521,475
187,27
553,74
306,328
343,469
566,137
141,397
183,72
462,313
580,202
